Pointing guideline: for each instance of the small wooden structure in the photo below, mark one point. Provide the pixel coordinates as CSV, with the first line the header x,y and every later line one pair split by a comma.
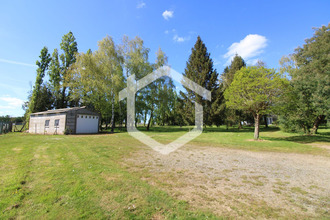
x,y
77,120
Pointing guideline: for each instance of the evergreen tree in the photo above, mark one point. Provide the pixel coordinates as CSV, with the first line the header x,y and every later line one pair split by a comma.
x,y
231,115
229,72
199,69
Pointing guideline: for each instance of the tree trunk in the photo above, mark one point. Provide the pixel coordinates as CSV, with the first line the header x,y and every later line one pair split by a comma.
x,y
106,124
145,118
317,122
265,120
149,122
256,126
62,104
239,125
113,114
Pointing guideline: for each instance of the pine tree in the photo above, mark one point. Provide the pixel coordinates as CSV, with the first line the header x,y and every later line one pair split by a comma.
x,y
200,70
229,72
231,116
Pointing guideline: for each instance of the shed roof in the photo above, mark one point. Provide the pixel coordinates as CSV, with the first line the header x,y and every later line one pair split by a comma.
x,y
60,110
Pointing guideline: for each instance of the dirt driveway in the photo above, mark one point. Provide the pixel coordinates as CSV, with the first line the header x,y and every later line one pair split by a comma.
x,y
240,184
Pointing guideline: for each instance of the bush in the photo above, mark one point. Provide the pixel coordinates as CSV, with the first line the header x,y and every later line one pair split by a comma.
x,y
289,125
67,131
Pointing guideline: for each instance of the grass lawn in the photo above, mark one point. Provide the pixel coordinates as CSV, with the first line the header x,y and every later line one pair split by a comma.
x,y
271,139
82,176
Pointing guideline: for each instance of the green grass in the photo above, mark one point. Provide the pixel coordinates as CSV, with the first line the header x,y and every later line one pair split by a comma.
x,y
76,176
272,139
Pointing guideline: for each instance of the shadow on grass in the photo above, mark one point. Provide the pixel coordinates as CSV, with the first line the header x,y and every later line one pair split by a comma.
x,y
302,139
207,129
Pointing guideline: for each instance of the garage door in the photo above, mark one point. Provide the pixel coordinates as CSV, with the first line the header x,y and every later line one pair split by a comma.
x,y
87,124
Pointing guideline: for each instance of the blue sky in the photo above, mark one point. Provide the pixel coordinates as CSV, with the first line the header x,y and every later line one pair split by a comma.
x,y
264,30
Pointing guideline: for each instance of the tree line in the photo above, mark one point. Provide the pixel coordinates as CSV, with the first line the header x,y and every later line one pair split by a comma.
x,y
298,93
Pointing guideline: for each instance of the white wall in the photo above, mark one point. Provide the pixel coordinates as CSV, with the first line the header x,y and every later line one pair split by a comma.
x,y
37,124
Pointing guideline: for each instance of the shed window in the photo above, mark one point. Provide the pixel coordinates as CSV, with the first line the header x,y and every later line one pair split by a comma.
x,y
93,117
82,116
47,124
89,116
57,122
86,116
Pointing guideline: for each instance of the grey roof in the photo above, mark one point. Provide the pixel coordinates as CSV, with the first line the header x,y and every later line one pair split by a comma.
x,y
60,110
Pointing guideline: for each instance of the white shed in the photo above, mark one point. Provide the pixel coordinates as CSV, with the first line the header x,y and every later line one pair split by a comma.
x,y
77,120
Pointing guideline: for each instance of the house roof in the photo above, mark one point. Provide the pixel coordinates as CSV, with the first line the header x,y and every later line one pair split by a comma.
x,y
60,110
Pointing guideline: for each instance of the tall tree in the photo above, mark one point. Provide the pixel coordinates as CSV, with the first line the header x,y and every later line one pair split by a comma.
x,y
309,68
255,89
229,72
37,103
97,78
160,95
199,69
231,115
136,62
68,57
55,78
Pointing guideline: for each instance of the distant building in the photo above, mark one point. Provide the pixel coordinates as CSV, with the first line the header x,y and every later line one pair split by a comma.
x,y
77,120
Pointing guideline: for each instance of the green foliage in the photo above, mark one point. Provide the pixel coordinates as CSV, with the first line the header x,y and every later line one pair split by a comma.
x,y
229,72
55,78
53,94
199,69
231,116
68,57
39,100
309,68
256,90
96,78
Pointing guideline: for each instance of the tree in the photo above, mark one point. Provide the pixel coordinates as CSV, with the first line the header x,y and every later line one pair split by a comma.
x,y
162,94
309,68
229,72
40,92
96,78
69,47
231,115
58,72
256,90
199,69
55,79
136,62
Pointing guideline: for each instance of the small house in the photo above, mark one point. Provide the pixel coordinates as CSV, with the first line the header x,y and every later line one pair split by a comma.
x,y
77,120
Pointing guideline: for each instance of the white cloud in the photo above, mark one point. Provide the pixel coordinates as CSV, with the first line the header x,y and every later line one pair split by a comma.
x,y
17,63
10,102
168,14
178,39
141,5
166,32
251,46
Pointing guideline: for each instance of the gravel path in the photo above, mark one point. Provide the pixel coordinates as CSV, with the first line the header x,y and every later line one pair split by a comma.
x,y
241,184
